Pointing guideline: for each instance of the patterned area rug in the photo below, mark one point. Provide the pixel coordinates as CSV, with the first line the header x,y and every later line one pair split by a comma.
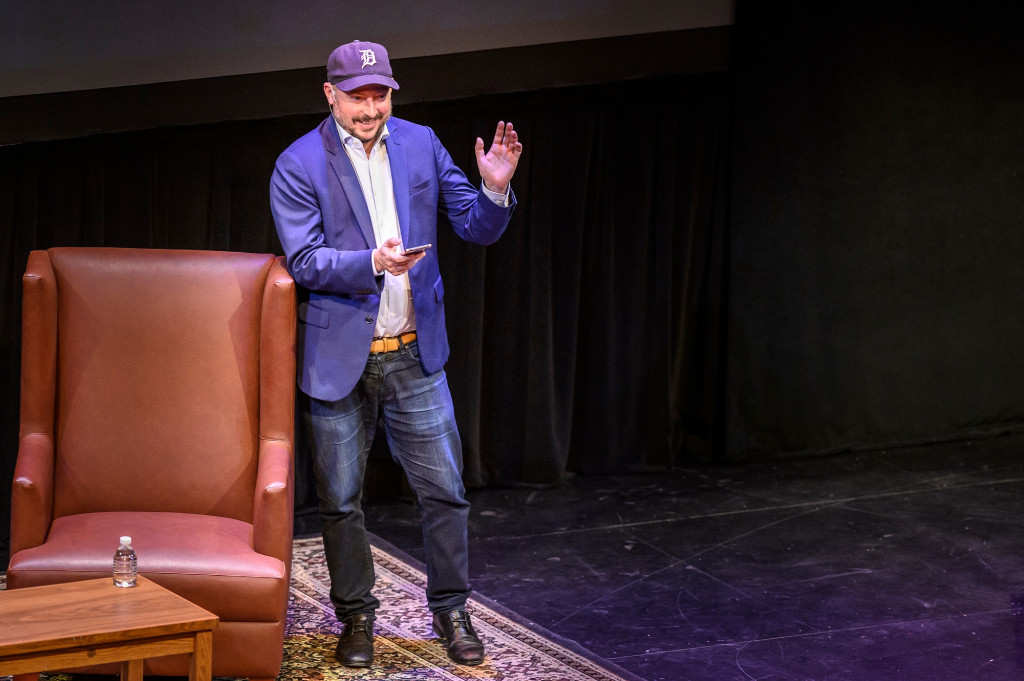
x,y
405,648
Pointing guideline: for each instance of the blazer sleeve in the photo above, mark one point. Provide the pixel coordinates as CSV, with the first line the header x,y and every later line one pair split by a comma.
x,y
297,198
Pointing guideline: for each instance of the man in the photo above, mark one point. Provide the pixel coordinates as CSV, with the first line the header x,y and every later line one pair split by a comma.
x,y
348,198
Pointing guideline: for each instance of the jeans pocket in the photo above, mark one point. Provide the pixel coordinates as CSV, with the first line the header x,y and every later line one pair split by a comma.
x,y
413,349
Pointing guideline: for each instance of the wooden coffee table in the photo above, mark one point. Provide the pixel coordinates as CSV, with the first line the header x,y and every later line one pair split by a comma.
x,y
78,624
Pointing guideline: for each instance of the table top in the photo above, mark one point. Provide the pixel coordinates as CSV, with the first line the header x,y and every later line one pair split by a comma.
x,y
93,612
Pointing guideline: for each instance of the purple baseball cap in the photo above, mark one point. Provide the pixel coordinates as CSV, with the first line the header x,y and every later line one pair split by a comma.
x,y
359,63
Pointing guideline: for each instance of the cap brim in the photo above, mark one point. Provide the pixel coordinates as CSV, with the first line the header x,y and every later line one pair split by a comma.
x,y
346,85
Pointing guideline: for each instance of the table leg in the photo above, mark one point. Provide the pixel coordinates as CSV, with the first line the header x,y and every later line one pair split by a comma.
x,y
131,670
201,661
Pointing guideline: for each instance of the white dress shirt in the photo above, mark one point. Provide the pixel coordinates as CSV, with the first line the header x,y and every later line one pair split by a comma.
x,y
396,315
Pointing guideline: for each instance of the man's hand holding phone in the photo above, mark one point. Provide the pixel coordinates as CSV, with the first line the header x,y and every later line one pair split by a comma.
x,y
391,258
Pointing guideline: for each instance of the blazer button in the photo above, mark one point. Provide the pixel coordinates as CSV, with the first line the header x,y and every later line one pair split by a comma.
x,y
369,319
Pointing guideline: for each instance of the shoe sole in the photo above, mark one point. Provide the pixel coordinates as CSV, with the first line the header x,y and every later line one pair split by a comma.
x,y
359,665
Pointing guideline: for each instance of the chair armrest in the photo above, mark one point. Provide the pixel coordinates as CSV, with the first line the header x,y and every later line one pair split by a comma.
x,y
273,510
32,492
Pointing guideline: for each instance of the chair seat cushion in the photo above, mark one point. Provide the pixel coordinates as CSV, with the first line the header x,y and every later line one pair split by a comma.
x,y
209,560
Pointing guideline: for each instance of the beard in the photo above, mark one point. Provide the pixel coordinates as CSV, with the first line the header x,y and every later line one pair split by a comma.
x,y
351,127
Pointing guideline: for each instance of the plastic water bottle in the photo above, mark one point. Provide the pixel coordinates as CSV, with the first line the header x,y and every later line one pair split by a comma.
x,y
126,566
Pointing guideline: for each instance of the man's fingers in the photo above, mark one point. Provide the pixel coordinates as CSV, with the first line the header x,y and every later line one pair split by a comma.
x,y
395,261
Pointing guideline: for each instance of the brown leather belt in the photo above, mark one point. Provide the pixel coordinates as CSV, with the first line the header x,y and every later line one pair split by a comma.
x,y
391,343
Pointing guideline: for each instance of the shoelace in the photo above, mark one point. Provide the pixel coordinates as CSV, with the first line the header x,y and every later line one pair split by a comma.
x,y
363,626
457,620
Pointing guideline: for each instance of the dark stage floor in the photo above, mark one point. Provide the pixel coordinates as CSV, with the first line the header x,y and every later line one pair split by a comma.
x,y
905,564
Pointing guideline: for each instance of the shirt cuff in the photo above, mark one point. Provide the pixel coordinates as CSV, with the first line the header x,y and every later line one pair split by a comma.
x,y
499,199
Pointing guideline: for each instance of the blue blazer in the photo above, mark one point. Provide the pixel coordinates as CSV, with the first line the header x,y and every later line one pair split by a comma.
x,y
325,230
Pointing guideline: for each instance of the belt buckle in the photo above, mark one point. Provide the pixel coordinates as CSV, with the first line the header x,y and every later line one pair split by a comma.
x,y
392,343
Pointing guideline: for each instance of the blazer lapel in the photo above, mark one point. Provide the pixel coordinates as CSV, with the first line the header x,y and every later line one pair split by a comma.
x,y
399,177
349,181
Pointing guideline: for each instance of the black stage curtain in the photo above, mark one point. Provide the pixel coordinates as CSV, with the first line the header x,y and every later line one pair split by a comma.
x,y
876,225
586,340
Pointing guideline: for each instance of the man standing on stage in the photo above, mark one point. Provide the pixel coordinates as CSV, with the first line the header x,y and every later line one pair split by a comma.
x,y
350,200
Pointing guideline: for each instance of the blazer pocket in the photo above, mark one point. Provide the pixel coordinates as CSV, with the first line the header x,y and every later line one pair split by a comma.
x,y
314,315
420,186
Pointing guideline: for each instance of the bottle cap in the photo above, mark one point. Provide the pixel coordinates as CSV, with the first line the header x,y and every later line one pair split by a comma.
x,y
126,540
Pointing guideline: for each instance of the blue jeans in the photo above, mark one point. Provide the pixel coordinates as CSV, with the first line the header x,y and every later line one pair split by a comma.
x,y
419,422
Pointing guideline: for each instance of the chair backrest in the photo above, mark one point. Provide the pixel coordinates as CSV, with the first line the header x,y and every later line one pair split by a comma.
x,y
157,378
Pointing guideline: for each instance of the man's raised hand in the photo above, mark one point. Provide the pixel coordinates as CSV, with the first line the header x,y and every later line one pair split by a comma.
x,y
498,165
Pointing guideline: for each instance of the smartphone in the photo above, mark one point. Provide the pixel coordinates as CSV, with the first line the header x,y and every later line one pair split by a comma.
x,y
413,250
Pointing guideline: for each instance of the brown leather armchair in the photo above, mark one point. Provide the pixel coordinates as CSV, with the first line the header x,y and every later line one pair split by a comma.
x,y
157,401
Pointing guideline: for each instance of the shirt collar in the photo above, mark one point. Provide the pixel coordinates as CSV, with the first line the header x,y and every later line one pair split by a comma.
x,y
347,139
